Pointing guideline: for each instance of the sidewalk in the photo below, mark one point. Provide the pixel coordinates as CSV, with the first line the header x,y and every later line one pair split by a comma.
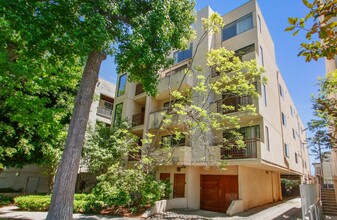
x,y
11,212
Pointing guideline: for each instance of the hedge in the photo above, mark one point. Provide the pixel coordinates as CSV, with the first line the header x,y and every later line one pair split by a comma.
x,y
84,203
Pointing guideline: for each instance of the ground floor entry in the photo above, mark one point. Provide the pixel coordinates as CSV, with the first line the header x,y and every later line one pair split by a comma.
x,y
218,191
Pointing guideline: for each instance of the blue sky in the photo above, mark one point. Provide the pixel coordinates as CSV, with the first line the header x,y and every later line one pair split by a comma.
x,y
300,77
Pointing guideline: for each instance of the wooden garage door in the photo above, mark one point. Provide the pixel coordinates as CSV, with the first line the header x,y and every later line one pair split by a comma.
x,y
218,191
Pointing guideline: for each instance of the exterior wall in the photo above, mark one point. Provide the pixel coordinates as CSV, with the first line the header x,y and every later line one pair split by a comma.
x,y
259,178
29,179
106,88
264,189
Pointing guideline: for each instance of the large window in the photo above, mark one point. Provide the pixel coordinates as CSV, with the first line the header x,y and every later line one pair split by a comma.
x,y
237,27
247,133
121,85
180,56
118,113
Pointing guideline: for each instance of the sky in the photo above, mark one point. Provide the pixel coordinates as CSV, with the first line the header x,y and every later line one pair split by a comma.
x,y
300,76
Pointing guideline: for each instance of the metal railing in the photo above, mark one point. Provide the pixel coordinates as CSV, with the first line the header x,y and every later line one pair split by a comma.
x,y
231,151
235,102
139,89
138,119
105,112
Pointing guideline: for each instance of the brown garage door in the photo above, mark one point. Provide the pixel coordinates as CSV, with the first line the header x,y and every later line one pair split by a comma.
x,y
218,191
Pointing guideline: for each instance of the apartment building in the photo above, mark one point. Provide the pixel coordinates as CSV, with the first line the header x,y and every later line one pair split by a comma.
x,y
274,137
31,179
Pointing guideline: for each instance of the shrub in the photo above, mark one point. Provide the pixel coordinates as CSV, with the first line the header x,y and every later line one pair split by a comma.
x,y
33,203
5,200
84,203
130,187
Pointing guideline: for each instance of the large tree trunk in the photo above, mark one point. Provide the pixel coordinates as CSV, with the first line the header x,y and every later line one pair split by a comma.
x,y
61,206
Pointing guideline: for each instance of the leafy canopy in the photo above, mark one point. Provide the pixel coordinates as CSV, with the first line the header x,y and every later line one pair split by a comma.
x,y
323,26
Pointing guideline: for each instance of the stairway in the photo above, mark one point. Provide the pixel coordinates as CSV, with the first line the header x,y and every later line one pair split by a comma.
x,y
329,202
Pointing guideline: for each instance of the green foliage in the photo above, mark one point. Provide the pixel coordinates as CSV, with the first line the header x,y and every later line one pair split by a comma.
x,y
5,200
128,187
37,93
322,25
106,146
289,184
84,203
33,203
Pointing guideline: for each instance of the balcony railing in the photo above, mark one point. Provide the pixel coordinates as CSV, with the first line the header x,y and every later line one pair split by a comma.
x,y
235,102
234,152
105,112
139,89
138,119
135,156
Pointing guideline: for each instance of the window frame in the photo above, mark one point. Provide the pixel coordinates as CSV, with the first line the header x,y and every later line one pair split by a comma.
x,y
267,138
235,23
119,93
286,150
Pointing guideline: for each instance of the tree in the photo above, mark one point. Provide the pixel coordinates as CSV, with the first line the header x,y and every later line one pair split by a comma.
x,y
323,26
107,146
319,141
325,104
144,32
194,115
37,96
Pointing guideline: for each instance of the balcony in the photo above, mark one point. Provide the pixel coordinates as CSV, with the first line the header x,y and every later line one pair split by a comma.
x,y
135,156
235,102
249,151
172,80
138,119
104,112
156,118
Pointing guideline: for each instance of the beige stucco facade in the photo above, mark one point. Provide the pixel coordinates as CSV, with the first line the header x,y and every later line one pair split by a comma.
x,y
257,178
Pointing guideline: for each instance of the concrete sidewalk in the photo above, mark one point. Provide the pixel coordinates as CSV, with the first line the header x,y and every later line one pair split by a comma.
x,y
11,212
290,209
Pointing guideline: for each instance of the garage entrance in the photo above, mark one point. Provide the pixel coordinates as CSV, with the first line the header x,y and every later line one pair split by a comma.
x,y
217,192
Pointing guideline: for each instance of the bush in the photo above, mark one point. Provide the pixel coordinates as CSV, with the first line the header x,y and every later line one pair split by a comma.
x,y
84,203
130,187
33,203
5,200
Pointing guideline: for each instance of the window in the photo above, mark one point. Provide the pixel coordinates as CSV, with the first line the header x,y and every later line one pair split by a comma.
x,y
259,23
265,94
286,150
173,140
261,56
296,159
294,135
121,85
281,91
251,132
245,50
284,120
237,27
118,113
107,105
291,111
267,138
180,56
